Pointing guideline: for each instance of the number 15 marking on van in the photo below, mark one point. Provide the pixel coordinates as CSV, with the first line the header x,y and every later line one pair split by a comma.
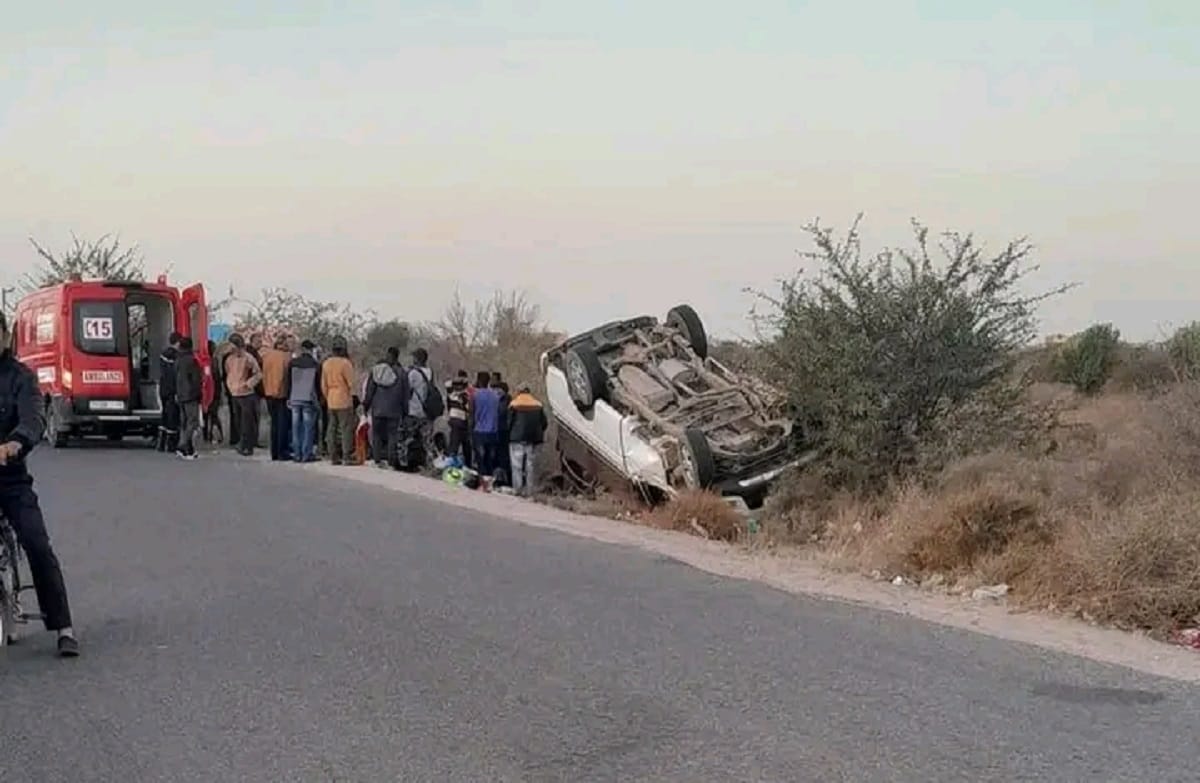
x,y
98,328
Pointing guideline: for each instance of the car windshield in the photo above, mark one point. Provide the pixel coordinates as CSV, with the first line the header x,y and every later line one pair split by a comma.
x,y
98,326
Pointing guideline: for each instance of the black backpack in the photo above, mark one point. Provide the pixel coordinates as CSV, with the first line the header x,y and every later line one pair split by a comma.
x,y
433,404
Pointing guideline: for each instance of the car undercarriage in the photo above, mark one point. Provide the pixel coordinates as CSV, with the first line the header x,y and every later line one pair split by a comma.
x,y
709,425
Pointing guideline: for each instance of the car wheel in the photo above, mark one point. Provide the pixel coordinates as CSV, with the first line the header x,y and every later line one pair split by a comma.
x,y
685,319
699,465
586,379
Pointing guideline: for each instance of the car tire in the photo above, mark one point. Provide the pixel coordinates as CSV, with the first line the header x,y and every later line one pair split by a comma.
x,y
685,319
587,381
699,465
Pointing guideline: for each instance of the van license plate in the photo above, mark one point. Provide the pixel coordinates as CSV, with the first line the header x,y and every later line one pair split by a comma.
x,y
106,405
103,376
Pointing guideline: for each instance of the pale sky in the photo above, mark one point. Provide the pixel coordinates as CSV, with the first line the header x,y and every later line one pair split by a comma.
x,y
613,158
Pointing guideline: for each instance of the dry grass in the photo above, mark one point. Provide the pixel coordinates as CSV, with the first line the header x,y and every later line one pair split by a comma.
x,y
599,504
700,513
1107,525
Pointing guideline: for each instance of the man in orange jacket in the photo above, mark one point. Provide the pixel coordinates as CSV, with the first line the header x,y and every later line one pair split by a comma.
x,y
275,362
337,389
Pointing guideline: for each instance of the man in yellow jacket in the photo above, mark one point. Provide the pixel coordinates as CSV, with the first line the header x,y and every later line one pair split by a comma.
x,y
337,389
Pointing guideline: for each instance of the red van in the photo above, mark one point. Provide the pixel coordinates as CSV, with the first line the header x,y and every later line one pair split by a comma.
x,y
95,345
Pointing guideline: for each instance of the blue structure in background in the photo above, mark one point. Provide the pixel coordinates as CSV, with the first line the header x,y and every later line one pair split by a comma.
x,y
218,332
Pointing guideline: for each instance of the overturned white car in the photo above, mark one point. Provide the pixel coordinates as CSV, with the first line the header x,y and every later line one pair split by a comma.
x,y
641,403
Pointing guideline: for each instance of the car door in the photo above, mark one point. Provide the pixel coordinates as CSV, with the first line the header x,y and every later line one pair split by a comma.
x,y
194,306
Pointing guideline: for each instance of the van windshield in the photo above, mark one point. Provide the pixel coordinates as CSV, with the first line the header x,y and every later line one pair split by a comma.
x,y
98,327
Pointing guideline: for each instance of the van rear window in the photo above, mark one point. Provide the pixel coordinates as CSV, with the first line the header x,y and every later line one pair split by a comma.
x,y
97,327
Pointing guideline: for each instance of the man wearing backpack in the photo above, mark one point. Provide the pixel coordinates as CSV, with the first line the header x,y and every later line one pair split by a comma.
x,y
384,401
425,404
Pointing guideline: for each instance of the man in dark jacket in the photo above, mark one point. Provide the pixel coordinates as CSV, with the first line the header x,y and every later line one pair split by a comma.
x,y
189,384
526,431
212,416
503,461
21,428
385,402
168,433
302,390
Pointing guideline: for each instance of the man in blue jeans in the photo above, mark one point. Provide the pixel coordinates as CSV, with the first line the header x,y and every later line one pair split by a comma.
x,y
485,429
303,393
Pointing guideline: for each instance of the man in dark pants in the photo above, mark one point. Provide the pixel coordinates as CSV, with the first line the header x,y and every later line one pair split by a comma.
x,y
255,347
189,391
385,402
275,361
242,376
503,458
21,427
235,432
168,433
458,418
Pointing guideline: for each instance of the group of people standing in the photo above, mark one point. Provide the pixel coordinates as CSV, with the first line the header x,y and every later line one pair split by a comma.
x,y
305,397
313,405
493,432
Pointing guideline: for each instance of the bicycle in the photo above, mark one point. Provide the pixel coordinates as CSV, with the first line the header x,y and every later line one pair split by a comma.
x,y
11,613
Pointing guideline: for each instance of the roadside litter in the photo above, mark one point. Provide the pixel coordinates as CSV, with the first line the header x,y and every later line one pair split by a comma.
x,y
1188,637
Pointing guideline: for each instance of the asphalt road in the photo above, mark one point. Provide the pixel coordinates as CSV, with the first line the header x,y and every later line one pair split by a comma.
x,y
246,622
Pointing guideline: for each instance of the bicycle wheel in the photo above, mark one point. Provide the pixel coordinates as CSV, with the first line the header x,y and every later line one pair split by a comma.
x,y
8,628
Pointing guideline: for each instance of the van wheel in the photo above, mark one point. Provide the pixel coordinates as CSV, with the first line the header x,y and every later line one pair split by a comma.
x,y
54,433
685,319
699,465
586,379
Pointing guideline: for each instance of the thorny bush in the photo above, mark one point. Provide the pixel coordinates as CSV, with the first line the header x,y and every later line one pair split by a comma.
x,y
885,356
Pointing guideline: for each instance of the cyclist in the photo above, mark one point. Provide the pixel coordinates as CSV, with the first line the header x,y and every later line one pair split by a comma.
x,y
21,427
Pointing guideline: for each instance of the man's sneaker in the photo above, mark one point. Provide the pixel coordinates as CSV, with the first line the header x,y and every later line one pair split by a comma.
x,y
68,647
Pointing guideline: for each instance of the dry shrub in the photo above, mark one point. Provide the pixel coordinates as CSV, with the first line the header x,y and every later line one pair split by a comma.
x,y
962,526
1143,368
798,508
1136,565
599,504
1107,526
700,513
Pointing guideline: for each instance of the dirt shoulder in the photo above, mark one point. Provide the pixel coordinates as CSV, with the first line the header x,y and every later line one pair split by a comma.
x,y
799,574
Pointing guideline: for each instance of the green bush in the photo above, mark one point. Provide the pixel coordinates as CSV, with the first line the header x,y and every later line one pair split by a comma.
x,y
884,356
1184,350
1087,360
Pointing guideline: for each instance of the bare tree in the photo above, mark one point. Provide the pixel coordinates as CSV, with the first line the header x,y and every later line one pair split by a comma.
x,y
281,310
505,333
102,259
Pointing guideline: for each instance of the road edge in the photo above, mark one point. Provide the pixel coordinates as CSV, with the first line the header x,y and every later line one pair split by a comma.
x,y
798,574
